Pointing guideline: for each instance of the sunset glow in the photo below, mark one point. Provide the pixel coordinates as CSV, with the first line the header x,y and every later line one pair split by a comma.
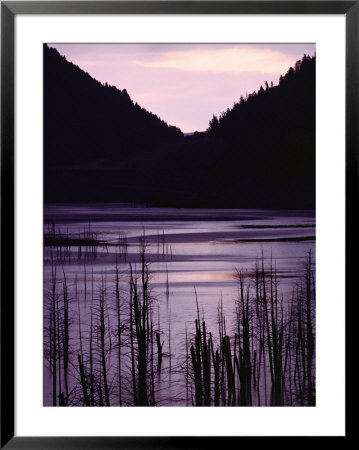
x,y
184,84
243,59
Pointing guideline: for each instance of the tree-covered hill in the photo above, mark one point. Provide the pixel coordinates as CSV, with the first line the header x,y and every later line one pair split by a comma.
x,y
84,119
270,145
101,147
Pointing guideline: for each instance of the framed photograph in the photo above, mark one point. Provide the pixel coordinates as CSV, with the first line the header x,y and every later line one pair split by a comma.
x,y
177,189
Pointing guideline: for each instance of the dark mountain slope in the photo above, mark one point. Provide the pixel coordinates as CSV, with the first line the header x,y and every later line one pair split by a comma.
x,y
85,120
100,147
269,158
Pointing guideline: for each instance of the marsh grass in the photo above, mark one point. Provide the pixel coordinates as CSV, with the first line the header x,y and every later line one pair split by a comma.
x,y
67,246
270,349
109,349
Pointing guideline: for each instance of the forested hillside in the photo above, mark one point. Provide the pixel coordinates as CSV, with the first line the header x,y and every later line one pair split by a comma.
x,y
270,144
100,146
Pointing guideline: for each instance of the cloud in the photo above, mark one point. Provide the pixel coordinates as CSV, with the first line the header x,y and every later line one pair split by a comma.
x,y
185,84
240,59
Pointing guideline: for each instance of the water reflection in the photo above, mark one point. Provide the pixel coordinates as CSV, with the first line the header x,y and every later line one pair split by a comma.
x,y
192,259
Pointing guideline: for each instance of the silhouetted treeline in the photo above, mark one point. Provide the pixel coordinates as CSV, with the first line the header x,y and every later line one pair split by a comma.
x,y
101,147
84,119
270,145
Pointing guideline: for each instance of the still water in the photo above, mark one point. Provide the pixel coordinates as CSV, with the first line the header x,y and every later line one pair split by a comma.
x,y
191,254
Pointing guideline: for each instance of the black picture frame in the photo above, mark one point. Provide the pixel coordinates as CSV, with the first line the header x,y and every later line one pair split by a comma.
x,y
9,10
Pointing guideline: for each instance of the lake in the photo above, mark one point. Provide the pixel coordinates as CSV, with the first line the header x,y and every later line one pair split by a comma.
x,y
197,261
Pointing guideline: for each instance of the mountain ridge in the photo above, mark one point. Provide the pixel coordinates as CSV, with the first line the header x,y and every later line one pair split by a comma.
x,y
99,146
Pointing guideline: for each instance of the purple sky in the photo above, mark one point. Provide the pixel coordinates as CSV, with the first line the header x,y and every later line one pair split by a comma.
x,y
185,84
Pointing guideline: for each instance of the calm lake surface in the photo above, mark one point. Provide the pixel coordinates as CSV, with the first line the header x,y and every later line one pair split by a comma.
x,y
190,253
